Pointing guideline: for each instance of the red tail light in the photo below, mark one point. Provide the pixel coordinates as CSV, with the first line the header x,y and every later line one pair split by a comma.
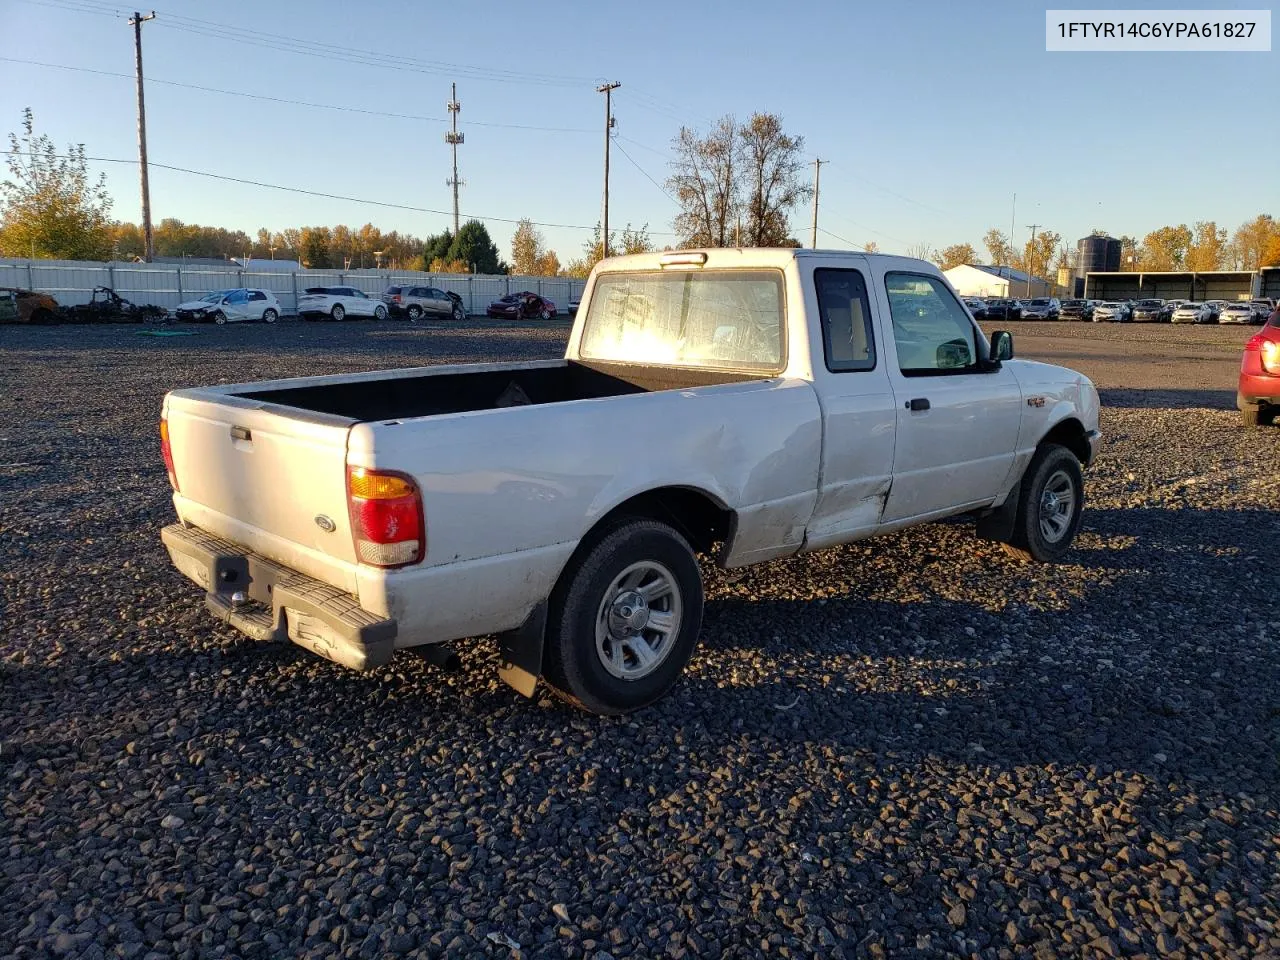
x,y
167,452
387,523
395,298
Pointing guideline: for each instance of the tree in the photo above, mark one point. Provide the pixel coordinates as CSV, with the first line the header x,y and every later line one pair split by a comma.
x,y
1208,250
126,241
1166,248
1253,239
49,205
921,251
1271,255
314,251
955,255
999,250
772,169
637,240
634,240
705,181
871,247
473,245
1037,255
1129,255
529,255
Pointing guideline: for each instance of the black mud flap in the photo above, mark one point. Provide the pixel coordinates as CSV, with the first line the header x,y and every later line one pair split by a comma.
x,y
997,523
520,652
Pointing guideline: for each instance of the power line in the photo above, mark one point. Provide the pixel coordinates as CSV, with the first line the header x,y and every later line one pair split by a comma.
x,y
645,173
323,195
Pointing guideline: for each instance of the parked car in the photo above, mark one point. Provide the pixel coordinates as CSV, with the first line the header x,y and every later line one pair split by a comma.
x,y
1002,308
337,302
107,306
977,307
417,302
561,503
1076,310
573,307
1170,306
1112,311
1241,313
1216,307
27,306
1258,391
1149,311
1192,312
522,306
231,306
1042,308
1262,309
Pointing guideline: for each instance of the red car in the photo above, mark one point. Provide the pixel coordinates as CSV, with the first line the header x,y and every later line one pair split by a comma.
x,y
522,306
1258,396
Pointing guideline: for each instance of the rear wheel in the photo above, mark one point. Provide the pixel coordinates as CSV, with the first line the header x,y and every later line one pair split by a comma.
x,y
269,315
1050,506
544,314
414,313
624,618
379,313
338,313
1256,415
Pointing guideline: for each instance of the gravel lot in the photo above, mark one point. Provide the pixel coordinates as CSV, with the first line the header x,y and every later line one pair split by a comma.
x,y
914,746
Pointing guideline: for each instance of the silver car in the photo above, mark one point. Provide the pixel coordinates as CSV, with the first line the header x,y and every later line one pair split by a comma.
x,y
1113,311
1194,313
1236,313
415,302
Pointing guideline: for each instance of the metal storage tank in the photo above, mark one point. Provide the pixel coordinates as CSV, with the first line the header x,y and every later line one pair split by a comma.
x,y
1098,254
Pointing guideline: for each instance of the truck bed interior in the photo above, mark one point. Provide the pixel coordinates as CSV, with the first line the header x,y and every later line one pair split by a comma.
x,y
425,396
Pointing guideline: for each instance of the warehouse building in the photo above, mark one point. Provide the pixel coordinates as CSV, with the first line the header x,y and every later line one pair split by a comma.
x,y
1184,285
981,280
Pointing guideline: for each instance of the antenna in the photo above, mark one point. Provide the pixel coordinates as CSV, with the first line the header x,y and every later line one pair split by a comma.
x,y
453,138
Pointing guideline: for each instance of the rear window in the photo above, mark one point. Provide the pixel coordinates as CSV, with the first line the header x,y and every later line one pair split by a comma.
x,y
316,290
393,291
1038,303
1150,303
730,319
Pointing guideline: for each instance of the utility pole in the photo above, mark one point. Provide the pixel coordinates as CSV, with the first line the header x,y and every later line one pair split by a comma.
x,y
148,240
607,89
453,137
1013,218
1031,252
817,178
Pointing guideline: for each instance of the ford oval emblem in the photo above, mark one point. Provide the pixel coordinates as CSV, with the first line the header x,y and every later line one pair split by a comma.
x,y
325,524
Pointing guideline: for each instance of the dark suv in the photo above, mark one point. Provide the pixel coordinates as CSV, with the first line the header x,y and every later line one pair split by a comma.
x,y
415,302
1002,308
1151,311
1077,310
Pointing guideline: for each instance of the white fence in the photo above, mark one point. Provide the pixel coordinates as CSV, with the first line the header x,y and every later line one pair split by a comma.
x,y
167,285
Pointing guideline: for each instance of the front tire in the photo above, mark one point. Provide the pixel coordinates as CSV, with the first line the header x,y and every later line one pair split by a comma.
x,y
338,313
1050,506
219,318
458,313
624,618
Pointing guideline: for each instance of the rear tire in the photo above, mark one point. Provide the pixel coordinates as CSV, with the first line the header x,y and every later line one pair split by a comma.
x,y
624,618
544,314
1050,506
269,316
1256,415
379,313
414,313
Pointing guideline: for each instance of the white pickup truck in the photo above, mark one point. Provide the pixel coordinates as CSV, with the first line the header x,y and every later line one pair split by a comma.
x,y
748,404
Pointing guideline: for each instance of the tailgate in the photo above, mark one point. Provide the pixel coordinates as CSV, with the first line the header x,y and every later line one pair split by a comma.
x,y
265,479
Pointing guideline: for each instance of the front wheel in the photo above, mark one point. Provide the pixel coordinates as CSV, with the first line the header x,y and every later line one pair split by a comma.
x,y
338,313
1050,506
269,316
219,318
458,313
379,313
624,618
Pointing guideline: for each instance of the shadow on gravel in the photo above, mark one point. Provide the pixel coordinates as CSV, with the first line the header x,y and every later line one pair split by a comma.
x,y
1168,399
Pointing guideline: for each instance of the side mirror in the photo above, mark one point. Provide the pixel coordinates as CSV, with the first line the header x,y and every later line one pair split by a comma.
x,y
1001,345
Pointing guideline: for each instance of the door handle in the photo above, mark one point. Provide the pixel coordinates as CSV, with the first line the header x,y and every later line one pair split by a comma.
x,y
919,403
241,433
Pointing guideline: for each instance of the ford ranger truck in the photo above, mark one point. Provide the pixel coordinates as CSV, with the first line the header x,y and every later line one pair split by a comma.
x,y
744,404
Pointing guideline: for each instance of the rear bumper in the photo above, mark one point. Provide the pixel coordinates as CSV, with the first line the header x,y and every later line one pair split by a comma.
x,y
268,601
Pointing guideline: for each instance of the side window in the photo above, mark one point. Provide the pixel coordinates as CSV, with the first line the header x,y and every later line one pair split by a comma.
x,y
238,296
932,331
847,338
257,295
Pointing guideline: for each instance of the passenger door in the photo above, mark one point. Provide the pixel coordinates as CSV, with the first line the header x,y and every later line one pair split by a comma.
x,y
236,305
440,302
8,306
858,410
957,418
257,304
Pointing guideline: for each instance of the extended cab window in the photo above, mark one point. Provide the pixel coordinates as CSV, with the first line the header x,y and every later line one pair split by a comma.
x,y
932,331
847,339
692,318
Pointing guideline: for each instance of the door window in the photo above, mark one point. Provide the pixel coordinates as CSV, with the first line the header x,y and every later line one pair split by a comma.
x,y
257,295
932,331
238,296
845,310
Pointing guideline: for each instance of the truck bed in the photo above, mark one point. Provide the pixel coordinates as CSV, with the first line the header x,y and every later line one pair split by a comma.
x,y
445,393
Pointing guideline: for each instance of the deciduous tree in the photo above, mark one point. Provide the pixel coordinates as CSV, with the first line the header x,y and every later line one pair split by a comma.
x,y
1166,248
955,255
998,247
1208,250
1253,239
774,185
49,205
1037,254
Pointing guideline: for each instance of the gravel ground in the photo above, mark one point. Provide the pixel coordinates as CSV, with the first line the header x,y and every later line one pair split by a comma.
x,y
914,746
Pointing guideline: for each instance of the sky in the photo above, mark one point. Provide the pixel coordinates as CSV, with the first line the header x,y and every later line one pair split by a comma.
x,y
930,116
